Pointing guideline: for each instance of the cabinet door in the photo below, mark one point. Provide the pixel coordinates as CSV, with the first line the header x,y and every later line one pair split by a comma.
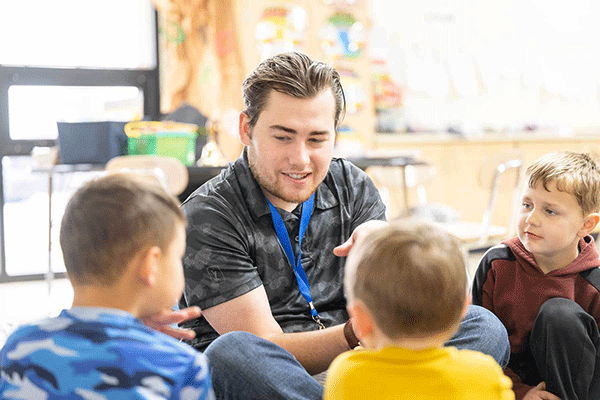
x,y
535,149
458,183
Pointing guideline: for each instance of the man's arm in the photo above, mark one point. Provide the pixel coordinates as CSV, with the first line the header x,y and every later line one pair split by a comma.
x,y
362,230
251,312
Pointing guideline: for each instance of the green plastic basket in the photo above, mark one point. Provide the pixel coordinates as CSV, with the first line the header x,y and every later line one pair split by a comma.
x,y
179,145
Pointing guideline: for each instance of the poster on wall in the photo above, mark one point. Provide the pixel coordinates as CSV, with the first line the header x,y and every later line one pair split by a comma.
x,y
342,36
353,90
281,28
341,3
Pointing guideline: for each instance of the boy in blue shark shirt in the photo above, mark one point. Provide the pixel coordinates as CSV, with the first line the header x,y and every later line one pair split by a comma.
x,y
122,238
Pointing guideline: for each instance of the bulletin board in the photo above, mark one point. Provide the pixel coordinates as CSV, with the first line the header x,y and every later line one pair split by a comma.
x,y
332,31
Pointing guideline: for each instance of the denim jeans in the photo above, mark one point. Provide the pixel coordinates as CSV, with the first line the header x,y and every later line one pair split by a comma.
x,y
244,366
482,331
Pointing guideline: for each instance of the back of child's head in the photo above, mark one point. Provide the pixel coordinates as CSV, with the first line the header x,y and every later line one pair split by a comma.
x,y
110,220
412,277
574,173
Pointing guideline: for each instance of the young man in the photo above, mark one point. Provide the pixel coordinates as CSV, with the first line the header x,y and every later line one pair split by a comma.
x,y
389,281
544,284
122,239
282,201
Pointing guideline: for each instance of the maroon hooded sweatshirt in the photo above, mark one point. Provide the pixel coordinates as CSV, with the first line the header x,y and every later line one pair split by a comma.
x,y
509,283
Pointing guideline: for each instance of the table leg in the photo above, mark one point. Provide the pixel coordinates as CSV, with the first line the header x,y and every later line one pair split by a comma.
x,y
404,188
50,273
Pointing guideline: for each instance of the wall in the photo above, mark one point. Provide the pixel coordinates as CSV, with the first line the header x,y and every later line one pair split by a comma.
x,y
481,65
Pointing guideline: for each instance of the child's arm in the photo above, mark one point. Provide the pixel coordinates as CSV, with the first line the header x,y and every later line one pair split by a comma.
x,y
479,280
539,393
526,392
518,386
484,279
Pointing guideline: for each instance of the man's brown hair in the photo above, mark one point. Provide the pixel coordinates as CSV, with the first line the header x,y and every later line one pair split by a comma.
x,y
109,220
574,173
293,74
412,277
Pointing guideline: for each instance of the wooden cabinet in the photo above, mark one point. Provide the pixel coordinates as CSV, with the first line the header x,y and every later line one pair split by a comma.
x,y
458,162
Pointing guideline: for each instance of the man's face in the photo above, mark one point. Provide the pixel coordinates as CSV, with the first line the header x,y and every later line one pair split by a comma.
x,y
550,223
290,147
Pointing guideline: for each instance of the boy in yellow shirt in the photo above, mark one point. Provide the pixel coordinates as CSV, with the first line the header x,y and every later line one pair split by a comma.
x,y
406,285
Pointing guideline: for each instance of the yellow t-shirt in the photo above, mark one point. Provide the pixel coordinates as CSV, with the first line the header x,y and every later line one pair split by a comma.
x,y
396,373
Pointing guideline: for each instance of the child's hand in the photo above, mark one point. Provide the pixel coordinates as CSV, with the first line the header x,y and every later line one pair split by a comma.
x,y
539,393
162,321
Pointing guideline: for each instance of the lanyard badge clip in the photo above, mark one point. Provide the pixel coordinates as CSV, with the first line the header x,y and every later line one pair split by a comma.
x,y
315,316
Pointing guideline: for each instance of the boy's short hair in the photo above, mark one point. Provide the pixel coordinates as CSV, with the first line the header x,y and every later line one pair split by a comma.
x,y
109,220
411,276
574,173
293,74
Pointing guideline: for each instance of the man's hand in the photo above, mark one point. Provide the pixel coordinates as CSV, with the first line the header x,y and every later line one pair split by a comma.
x,y
539,393
362,230
162,321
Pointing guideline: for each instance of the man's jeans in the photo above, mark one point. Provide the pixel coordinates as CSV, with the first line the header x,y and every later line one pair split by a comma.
x,y
244,366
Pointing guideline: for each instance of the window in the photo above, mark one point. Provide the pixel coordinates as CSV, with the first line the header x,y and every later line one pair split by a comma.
x,y
64,60
108,34
33,111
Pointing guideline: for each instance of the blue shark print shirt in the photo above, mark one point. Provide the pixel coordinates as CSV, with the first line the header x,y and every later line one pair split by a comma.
x,y
100,353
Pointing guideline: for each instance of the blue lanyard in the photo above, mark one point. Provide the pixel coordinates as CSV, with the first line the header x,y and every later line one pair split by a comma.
x,y
284,240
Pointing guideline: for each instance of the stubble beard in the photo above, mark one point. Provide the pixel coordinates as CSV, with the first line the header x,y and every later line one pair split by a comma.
x,y
273,189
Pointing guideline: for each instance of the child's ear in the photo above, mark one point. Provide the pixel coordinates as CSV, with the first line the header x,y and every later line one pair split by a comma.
x,y
362,320
589,224
466,306
149,265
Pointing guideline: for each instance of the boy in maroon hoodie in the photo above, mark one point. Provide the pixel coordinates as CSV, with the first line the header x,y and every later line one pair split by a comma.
x,y
544,285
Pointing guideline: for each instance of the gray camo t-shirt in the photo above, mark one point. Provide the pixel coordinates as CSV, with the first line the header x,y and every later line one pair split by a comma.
x,y
232,246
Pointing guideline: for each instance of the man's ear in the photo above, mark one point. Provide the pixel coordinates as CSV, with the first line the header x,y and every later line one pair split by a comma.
x,y
362,320
148,265
244,128
589,224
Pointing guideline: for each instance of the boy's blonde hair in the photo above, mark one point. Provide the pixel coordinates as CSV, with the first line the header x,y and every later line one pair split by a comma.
x,y
411,276
574,173
109,220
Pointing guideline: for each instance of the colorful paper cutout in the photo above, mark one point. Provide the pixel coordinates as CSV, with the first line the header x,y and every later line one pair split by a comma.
x,y
342,36
280,29
341,3
353,90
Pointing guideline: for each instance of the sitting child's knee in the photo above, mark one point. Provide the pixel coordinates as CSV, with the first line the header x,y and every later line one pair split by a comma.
x,y
559,312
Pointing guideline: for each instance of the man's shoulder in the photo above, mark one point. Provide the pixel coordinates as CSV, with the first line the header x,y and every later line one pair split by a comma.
x,y
345,176
222,183
343,167
233,187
